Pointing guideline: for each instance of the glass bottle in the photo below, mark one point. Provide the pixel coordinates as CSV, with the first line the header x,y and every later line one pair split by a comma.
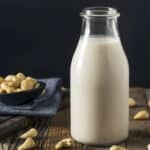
x,y
99,81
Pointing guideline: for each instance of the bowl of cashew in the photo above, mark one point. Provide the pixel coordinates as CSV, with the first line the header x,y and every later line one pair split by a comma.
x,y
19,89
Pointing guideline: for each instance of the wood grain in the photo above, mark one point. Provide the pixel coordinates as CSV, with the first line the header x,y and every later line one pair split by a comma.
x,y
60,129
57,128
139,95
139,130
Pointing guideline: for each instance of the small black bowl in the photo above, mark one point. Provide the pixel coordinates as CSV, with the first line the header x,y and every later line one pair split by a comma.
x,y
22,97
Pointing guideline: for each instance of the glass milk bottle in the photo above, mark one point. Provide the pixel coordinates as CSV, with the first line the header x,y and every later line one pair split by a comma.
x,y
99,81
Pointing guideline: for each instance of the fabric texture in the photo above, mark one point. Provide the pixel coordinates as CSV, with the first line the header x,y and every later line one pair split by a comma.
x,y
45,105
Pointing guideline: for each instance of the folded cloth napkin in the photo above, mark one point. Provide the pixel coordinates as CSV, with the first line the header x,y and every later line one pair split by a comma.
x,y
45,105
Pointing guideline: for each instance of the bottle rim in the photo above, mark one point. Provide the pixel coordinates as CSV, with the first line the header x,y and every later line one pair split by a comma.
x,y
100,12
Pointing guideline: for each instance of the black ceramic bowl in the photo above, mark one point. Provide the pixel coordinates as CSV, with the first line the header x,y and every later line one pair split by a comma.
x,y
22,97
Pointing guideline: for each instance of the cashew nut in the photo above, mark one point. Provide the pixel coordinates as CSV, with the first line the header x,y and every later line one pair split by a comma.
x,y
10,90
6,88
132,102
31,79
13,81
65,143
37,85
20,76
116,147
14,84
27,84
30,133
3,85
29,143
9,77
43,92
143,114
18,90
148,103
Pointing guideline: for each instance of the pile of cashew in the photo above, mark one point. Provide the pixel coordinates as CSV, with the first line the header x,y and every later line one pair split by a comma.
x,y
16,83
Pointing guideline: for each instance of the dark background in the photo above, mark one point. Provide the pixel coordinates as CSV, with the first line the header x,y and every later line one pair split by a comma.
x,y
38,37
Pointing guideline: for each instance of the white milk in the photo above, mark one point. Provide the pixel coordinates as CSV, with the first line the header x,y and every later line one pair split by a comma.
x,y
99,91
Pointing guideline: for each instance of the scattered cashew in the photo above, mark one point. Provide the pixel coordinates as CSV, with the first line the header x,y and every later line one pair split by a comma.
x,y
143,114
29,143
132,102
65,90
65,143
116,147
27,84
30,133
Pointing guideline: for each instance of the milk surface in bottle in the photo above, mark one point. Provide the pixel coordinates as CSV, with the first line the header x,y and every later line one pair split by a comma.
x,y
99,81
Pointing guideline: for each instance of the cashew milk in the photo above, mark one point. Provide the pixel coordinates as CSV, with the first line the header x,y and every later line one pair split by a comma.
x,y
99,91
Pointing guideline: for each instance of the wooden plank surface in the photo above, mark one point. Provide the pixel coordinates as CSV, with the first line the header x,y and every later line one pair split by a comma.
x,y
138,134
57,128
60,129
13,141
139,129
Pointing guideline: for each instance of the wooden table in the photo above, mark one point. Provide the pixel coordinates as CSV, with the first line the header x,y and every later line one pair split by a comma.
x,y
57,128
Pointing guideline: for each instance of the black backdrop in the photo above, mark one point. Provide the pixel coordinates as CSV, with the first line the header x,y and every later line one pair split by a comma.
x,y
38,37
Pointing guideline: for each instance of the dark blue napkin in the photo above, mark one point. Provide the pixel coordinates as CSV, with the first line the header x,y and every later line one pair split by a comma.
x,y
45,105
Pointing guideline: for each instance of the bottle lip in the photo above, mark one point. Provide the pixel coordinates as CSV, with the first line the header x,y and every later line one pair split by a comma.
x,y
100,12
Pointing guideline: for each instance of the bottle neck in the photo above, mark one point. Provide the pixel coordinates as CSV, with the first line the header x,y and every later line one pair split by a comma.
x,y
99,27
